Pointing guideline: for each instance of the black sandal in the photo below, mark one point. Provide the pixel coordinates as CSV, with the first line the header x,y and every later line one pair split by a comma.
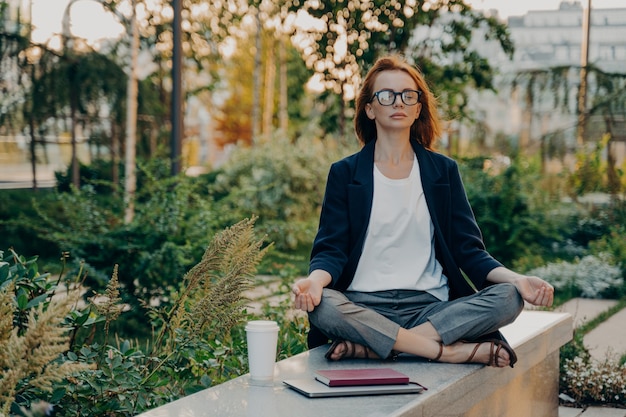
x,y
349,353
496,345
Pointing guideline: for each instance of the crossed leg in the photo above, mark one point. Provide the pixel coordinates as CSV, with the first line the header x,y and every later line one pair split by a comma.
x,y
417,342
361,332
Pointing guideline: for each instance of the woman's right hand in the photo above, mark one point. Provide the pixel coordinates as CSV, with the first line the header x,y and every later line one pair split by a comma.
x,y
308,291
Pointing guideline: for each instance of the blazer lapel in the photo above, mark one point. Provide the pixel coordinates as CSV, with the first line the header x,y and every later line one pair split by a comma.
x,y
361,192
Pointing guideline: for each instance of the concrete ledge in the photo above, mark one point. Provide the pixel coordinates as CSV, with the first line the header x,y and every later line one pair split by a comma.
x,y
531,388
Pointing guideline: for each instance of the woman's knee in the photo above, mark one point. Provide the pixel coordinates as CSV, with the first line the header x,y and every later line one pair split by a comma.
x,y
329,309
513,302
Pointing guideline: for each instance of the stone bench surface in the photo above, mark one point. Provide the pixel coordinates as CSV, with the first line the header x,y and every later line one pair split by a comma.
x,y
453,389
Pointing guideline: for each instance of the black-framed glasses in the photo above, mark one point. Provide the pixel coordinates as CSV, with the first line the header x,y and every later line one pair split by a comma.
x,y
388,97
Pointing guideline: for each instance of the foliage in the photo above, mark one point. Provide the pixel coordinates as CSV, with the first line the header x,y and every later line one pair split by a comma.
x,y
33,332
614,244
182,357
577,368
199,338
13,41
555,87
211,299
596,173
590,172
234,116
173,222
294,327
595,382
591,234
437,35
281,182
16,211
72,84
590,277
585,380
510,210
97,174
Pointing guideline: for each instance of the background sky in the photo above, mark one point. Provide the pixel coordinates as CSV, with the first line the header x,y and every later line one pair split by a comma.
x,y
91,22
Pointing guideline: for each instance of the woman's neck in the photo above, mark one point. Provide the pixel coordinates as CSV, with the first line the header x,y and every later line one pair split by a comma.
x,y
394,158
393,149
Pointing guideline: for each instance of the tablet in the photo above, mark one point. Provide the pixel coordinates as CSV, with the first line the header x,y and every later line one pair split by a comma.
x,y
315,389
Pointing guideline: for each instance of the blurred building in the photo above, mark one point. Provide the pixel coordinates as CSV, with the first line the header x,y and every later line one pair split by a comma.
x,y
548,39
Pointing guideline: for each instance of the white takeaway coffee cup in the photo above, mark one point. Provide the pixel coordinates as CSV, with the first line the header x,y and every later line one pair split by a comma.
x,y
262,337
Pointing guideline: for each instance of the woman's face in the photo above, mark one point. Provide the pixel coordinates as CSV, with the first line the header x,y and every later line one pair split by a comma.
x,y
396,114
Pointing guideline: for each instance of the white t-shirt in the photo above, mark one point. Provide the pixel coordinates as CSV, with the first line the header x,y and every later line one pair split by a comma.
x,y
399,249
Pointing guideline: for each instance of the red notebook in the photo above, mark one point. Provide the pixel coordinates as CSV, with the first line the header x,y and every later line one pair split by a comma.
x,y
362,376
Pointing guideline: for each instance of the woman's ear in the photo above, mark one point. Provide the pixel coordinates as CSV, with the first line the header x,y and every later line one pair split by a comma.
x,y
418,110
370,111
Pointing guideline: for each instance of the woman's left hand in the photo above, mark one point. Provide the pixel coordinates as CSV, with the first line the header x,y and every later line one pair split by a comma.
x,y
535,290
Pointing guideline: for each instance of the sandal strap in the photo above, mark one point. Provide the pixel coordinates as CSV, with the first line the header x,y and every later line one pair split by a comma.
x,y
471,356
495,355
436,358
350,351
495,347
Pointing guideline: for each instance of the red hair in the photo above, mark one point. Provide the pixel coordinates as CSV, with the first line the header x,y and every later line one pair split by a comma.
x,y
427,127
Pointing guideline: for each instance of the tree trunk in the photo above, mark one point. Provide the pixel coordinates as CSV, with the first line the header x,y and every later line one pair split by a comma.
x,y
256,94
342,114
33,142
130,184
527,120
115,156
33,157
613,179
268,102
283,115
73,122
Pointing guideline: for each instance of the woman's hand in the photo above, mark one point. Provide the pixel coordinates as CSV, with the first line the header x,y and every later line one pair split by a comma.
x,y
535,290
308,291
532,289
308,294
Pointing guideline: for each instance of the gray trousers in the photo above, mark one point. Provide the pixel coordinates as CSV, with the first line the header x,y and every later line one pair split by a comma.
x,y
373,319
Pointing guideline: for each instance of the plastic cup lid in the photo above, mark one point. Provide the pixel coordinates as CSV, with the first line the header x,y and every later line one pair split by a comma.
x,y
261,325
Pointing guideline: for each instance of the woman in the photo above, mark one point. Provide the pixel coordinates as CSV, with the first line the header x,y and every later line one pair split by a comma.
x,y
396,237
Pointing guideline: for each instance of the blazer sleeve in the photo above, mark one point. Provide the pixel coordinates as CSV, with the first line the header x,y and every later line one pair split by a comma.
x,y
467,246
331,245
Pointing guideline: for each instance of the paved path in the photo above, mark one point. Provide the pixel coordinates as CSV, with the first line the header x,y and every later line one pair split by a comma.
x,y
585,309
608,338
592,412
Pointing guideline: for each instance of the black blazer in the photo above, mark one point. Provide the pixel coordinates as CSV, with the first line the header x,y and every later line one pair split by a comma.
x,y
346,210
348,202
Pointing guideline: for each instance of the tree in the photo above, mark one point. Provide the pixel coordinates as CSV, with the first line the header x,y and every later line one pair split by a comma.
x,y
235,116
16,58
75,86
13,44
435,34
607,95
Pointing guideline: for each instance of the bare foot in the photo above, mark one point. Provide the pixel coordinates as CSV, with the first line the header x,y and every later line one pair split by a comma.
x,y
491,352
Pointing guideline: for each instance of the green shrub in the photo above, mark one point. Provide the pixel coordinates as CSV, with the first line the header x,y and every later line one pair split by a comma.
x,y
589,381
18,219
590,277
198,340
280,181
33,333
510,209
173,222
